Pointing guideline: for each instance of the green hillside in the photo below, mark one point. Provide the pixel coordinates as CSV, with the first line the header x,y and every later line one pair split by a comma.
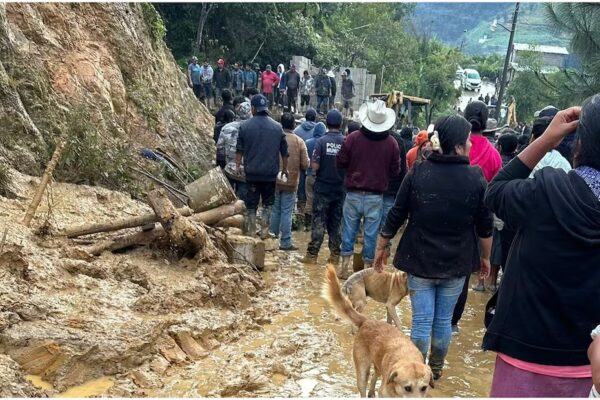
x,y
532,27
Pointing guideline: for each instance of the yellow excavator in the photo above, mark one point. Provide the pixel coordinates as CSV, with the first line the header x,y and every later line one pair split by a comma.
x,y
405,106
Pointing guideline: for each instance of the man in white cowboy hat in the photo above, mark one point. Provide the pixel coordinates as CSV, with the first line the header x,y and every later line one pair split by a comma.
x,y
369,156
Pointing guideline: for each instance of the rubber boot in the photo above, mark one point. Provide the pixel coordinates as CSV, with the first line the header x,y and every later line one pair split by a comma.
x,y
368,265
345,268
309,259
334,259
250,223
265,223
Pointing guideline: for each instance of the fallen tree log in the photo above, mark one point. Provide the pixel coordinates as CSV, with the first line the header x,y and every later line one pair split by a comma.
x,y
136,239
207,217
235,221
186,235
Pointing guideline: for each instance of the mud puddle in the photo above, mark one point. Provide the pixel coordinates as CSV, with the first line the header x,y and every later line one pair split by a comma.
x,y
306,351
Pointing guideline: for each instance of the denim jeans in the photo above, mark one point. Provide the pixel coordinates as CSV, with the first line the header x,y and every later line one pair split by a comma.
x,y
432,302
281,216
388,203
356,207
327,215
322,100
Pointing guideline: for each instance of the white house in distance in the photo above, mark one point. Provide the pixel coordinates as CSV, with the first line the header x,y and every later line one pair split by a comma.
x,y
552,57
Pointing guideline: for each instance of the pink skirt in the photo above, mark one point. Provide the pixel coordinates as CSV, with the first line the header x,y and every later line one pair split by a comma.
x,y
511,381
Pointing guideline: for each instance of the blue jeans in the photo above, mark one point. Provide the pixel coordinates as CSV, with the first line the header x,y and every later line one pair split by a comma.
x,y
357,206
281,216
432,302
322,100
388,203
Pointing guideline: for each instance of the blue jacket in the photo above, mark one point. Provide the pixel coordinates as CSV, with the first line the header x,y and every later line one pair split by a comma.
x,y
319,130
250,79
261,140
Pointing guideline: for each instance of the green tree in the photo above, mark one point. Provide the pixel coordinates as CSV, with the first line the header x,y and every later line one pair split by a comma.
x,y
582,22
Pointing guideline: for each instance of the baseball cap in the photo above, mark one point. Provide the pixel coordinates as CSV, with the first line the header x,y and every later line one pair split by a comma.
x,y
344,73
259,102
221,61
334,118
549,111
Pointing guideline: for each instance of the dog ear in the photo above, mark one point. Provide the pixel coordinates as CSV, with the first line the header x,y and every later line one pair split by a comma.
x,y
393,376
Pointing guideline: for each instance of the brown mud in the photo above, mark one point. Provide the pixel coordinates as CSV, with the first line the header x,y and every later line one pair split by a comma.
x,y
143,324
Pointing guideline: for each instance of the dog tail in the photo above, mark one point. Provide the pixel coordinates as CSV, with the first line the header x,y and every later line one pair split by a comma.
x,y
342,305
355,277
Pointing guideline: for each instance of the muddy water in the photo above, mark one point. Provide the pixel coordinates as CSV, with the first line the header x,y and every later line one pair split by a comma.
x,y
319,363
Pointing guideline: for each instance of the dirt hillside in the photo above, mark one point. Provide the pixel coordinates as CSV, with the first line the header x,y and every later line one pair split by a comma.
x,y
104,66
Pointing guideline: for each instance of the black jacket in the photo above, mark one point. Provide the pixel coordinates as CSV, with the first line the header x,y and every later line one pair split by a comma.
x,y
261,140
444,197
549,298
222,78
221,113
395,181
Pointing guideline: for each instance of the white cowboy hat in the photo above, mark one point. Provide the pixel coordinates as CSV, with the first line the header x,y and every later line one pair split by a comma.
x,y
376,117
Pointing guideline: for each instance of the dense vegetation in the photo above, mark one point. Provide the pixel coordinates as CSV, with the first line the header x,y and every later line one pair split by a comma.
x,y
449,21
331,34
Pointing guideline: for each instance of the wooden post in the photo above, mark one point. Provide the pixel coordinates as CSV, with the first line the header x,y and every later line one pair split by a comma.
x,y
44,182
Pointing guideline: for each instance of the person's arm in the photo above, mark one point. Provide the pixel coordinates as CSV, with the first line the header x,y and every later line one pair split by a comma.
x,y
304,160
402,159
395,164
395,219
594,357
239,150
283,150
511,195
342,160
315,163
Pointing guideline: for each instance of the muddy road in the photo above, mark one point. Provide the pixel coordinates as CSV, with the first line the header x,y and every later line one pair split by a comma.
x,y
299,348
306,351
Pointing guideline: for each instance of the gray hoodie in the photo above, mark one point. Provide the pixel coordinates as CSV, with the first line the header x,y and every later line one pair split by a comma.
x,y
305,130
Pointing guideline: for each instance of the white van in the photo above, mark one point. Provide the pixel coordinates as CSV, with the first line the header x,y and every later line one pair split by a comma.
x,y
471,80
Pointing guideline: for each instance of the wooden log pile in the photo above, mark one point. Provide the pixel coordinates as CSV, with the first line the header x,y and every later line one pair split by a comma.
x,y
180,229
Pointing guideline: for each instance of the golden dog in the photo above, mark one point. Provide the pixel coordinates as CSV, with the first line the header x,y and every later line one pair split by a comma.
x,y
395,358
388,288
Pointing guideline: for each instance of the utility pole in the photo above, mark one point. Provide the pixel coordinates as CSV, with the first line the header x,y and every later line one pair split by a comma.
x,y
381,81
506,61
462,42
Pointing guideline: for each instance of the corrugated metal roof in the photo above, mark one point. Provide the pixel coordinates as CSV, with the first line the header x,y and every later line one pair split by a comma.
x,y
541,48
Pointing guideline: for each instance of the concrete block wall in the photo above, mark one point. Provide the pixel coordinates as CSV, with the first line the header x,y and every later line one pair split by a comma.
x,y
364,83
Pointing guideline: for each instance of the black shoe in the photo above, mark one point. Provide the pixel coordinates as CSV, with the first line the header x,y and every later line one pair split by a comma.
x,y
291,248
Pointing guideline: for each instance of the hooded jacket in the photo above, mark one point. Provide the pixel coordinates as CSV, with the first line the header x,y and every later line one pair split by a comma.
x,y
319,131
322,85
228,140
484,155
305,130
547,303
222,78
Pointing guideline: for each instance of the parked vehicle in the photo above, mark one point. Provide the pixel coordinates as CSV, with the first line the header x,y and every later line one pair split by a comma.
x,y
471,80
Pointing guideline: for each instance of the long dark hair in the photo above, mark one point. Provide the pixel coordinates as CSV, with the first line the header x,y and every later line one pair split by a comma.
x,y
476,113
588,134
452,131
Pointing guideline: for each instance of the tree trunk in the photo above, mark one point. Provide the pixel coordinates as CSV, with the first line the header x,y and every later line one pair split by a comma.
x,y
190,237
137,239
204,11
209,217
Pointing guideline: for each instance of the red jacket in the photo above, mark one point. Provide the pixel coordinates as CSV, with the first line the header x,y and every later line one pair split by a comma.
x,y
269,78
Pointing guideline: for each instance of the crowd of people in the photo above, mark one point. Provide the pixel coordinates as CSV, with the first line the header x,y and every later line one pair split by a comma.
x,y
285,89
470,198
